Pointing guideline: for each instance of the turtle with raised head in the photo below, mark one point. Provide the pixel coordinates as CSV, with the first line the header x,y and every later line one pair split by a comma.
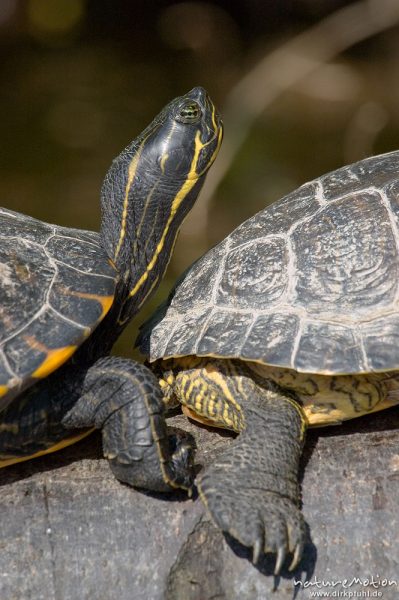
x,y
291,321
67,294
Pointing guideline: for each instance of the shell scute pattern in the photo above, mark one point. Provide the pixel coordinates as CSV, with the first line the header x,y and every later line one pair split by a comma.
x,y
225,329
247,281
54,282
279,349
346,259
379,354
79,254
326,259
278,217
204,273
188,332
334,346
71,291
12,226
377,172
26,352
23,266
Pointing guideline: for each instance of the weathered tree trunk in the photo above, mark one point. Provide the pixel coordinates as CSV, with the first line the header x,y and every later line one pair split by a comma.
x,y
71,531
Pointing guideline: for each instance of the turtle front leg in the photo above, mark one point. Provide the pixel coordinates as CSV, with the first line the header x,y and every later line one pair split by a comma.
x,y
123,399
251,491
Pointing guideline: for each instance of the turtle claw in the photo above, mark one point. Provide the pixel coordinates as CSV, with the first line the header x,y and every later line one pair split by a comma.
x,y
265,522
281,554
297,556
257,550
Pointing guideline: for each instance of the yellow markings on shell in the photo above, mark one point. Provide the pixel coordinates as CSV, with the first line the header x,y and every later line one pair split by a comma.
x,y
105,301
131,175
182,193
339,412
59,446
331,399
3,390
54,359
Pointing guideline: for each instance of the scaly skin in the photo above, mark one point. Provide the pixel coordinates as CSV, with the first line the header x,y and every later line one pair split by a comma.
x,y
118,396
252,490
123,399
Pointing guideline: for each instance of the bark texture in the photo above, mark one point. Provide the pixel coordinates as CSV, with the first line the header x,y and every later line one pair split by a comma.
x,y
70,530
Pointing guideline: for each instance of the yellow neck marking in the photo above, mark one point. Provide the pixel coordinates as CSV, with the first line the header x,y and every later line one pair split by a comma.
x,y
220,138
163,162
215,127
155,282
189,183
131,176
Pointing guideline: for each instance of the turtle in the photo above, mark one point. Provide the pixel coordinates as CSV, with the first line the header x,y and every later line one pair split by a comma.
x,y
291,321
67,294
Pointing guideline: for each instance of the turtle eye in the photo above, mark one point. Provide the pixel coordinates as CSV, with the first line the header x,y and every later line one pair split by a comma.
x,y
189,112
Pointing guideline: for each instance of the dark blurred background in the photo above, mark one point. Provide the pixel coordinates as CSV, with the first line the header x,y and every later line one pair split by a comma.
x,y
304,86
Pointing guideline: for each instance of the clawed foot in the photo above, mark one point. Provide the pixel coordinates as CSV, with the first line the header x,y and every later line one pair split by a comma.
x,y
123,399
262,520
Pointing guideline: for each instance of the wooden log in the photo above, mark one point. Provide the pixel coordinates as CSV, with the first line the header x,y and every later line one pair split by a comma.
x,y
70,530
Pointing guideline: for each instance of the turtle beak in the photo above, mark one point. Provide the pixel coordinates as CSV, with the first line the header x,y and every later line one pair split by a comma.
x,y
198,94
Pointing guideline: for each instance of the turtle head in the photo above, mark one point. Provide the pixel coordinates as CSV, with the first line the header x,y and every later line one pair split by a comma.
x,y
184,141
152,185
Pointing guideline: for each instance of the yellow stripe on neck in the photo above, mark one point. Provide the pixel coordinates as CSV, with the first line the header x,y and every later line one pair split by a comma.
x,y
187,186
131,176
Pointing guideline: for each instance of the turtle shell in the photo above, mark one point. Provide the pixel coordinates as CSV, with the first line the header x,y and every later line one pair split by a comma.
x,y
309,283
56,285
